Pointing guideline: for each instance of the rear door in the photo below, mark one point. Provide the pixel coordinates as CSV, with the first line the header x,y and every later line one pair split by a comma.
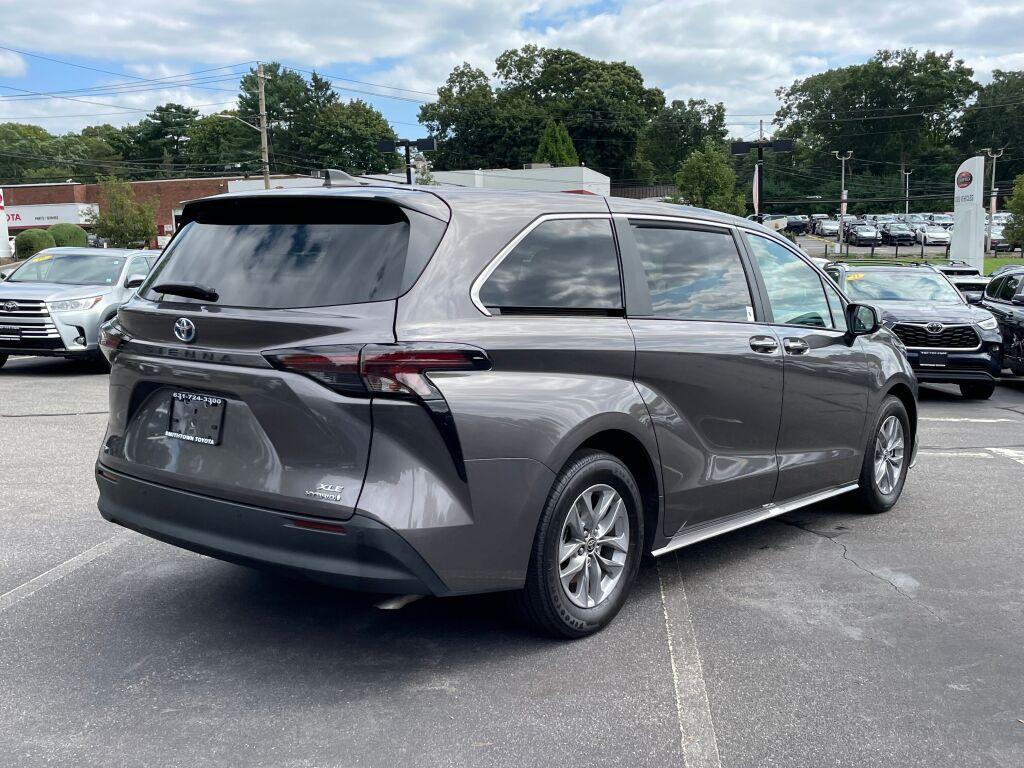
x,y
825,394
708,366
251,392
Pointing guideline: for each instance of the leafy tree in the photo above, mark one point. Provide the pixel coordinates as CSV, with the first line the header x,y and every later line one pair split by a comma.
x,y
678,129
706,179
69,234
556,146
221,143
345,136
122,220
30,242
163,136
996,119
1014,230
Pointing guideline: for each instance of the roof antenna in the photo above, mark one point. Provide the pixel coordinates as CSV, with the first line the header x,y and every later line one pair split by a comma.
x,y
334,178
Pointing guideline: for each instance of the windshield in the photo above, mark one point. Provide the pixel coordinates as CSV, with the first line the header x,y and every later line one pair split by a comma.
x,y
69,269
901,286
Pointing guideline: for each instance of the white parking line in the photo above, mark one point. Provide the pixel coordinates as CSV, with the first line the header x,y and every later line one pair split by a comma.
x,y
7,599
1014,454
956,454
696,728
968,420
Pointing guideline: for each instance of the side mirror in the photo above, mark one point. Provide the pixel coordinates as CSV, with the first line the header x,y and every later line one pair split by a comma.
x,y
4,275
861,319
134,282
973,297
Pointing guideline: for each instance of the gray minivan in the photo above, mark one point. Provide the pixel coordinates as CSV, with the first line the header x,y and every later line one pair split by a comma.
x,y
447,391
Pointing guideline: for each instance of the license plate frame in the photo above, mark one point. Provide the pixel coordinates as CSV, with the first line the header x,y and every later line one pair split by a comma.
x,y
195,417
927,359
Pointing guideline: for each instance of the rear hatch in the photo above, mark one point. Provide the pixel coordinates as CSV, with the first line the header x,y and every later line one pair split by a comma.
x,y
231,371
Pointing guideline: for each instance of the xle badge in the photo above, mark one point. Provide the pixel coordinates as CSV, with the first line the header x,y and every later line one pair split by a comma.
x,y
327,492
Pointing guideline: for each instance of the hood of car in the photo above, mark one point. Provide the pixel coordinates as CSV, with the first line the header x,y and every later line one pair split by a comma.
x,y
49,291
925,312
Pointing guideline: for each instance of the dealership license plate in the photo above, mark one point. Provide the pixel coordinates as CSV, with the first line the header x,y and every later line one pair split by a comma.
x,y
196,418
10,332
932,359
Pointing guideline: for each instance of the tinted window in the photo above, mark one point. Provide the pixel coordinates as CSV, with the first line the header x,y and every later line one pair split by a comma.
x,y
1009,287
350,254
693,274
563,264
992,289
795,290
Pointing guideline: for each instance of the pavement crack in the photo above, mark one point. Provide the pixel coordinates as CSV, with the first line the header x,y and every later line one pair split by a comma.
x,y
846,556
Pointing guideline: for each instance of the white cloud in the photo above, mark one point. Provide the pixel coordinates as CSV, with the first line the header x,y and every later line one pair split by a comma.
x,y
738,52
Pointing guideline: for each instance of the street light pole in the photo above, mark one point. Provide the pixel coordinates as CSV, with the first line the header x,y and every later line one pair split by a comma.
x,y
842,158
906,207
264,143
994,154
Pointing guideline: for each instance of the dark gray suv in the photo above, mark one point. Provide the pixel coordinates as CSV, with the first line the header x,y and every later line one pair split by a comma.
x,y
452,391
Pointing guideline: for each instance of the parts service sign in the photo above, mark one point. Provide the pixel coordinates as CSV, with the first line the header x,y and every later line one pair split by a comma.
x,y
968,240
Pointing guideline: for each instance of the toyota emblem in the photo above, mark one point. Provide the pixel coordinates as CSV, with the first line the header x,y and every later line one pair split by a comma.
x,y
11,306
934,327
185,330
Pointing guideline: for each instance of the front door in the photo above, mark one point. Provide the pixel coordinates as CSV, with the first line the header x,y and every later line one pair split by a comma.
x,y
825,391
708,368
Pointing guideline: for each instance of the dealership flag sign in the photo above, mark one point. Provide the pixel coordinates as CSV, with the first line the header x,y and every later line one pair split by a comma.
x,y
5,246
968,240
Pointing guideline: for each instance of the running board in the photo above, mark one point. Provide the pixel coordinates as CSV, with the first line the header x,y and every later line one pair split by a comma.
x,y
687,536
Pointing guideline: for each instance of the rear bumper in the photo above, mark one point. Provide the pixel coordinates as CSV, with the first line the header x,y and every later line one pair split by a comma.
x,y
366,555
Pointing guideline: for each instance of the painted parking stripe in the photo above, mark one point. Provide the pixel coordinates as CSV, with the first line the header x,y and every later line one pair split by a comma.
x,y
696,728
968,420
956,454
60,571
1014,454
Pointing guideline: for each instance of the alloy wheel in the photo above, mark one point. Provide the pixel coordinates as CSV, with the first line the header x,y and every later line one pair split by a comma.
x,y
594,545
888,454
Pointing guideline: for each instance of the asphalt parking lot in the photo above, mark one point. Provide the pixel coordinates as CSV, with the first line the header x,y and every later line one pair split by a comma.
x,y
825,637
826,248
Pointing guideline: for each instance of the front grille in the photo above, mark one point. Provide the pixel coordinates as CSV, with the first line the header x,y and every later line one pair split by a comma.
x,y
950,337
28,325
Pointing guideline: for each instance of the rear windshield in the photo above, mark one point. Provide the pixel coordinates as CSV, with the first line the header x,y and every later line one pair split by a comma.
x,y
277,254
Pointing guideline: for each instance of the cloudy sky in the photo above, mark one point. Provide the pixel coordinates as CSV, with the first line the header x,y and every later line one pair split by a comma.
x,y
132,54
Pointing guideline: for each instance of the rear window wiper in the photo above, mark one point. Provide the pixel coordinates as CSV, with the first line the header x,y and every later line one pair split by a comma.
x,y
188,290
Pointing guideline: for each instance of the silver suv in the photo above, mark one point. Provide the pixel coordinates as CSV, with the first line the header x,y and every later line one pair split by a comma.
x,y
450,391
54,303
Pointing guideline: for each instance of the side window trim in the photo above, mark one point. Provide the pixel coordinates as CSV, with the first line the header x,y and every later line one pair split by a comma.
x,y
494,263
637,292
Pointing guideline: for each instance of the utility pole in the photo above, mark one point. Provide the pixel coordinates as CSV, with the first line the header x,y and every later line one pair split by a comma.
x,y
994,154
743,147
760,170
906,207
264,143
842,158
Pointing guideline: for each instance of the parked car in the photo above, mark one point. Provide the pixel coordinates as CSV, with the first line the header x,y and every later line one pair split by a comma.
x,y
947,340
1004,298
54,303
915,221
997,241
826,227
933,234
797,223
967,279
896,233
864,234
455,391
941,220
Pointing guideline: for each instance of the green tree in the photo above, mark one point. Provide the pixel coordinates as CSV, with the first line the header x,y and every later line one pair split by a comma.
x,y
556,146
69,234
1014,230
706,179
30,242
678,129
345,136
162,138
996,119
219,143
122,220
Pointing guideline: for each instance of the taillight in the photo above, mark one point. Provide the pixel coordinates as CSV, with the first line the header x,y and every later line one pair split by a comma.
x,y
390,370
112,338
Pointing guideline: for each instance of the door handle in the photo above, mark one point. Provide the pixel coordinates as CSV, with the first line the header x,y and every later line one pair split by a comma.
x,y
795,346
765,344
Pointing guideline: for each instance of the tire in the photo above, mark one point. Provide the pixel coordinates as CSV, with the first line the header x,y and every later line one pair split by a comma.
x,y
977,390
873,497
545,602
